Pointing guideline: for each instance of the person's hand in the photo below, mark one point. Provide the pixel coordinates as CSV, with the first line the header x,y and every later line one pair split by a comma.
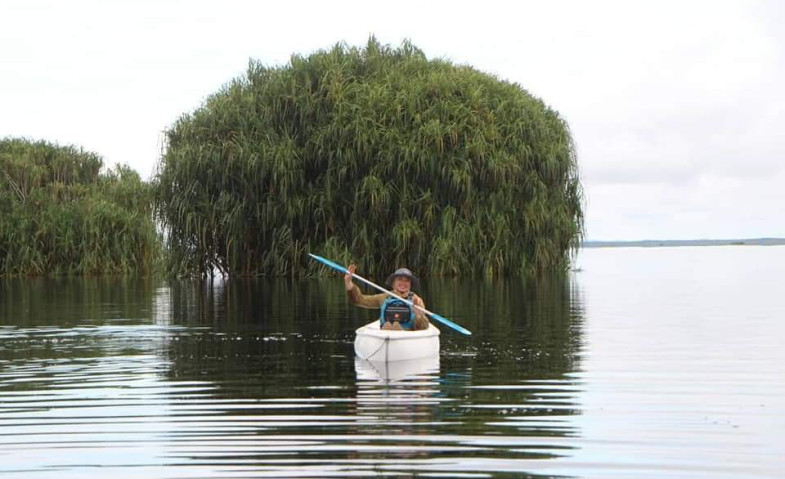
x,y
347,279
418,302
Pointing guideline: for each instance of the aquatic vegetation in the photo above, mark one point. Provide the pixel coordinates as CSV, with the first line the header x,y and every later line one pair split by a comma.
x,y
377,155
60,214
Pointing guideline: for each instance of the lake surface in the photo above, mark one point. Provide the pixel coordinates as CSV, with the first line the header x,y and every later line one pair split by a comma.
x,y
643,363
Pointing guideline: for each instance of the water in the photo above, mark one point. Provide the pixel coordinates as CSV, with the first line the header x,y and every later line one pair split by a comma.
x,y
662,362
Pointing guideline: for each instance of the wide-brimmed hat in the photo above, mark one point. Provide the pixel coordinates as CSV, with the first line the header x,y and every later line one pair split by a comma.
x,y
406,273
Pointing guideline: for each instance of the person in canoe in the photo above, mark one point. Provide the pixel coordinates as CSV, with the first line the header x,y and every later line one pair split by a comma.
x,y
393,314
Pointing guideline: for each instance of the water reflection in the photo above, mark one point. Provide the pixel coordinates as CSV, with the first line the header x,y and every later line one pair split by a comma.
x,y
257,378
660,371
498,403
74,301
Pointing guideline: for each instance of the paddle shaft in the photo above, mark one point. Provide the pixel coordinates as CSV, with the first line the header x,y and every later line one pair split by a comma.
x,y
442,319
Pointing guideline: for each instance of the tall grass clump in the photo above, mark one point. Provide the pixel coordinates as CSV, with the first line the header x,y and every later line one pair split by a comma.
x,y
60,214
378,155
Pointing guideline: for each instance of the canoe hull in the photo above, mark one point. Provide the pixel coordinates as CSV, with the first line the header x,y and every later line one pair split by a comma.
x,y
396,370
375,344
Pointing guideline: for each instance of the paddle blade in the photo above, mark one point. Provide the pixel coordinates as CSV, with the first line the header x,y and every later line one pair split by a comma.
x,y
329,263
449,323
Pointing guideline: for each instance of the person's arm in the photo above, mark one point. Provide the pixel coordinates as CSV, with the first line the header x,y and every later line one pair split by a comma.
x,y
420,319
356,296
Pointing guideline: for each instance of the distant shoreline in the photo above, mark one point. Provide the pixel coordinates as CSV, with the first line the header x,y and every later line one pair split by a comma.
x,y
675,243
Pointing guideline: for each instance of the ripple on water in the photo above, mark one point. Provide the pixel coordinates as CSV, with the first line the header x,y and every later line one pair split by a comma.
x,y
629,369
130,413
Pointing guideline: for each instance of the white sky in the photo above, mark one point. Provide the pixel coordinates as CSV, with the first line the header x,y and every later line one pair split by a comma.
x,y
677,107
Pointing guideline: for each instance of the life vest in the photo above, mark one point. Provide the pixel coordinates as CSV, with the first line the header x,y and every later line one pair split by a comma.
x,y
395,310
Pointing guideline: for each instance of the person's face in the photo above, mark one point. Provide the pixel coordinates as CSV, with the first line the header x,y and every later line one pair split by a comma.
x,y
402,284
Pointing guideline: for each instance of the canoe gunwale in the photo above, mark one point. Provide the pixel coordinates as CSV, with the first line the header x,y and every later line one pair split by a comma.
x,y
374,329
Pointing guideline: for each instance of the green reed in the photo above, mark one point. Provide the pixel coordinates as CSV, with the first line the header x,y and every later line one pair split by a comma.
x,y
376,155
60,214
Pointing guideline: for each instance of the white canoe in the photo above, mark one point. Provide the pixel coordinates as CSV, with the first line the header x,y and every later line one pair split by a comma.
x,y
376,344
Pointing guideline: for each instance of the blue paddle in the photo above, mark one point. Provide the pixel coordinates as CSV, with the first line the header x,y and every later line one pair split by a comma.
x,y
435,316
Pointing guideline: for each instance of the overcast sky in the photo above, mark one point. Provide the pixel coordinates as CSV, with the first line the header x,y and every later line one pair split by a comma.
x,y
677,107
